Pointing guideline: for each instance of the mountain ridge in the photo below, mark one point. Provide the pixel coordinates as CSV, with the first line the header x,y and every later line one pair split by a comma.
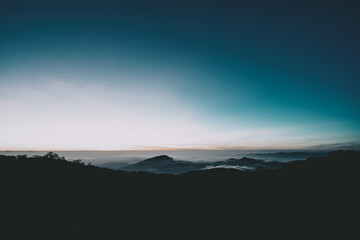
x,y
167,165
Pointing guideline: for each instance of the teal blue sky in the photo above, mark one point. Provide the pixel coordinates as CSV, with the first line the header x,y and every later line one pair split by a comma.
x,y
186,74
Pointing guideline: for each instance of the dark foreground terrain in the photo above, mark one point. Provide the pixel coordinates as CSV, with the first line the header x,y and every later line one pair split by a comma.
x,y
49,196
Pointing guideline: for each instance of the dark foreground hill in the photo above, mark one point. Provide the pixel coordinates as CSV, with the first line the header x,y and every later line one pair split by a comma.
x,y
49,196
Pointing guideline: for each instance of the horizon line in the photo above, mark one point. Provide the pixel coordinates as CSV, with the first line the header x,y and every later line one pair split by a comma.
x,y
165,149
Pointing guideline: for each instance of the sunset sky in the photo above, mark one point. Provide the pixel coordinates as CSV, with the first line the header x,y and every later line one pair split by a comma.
x,y
120,75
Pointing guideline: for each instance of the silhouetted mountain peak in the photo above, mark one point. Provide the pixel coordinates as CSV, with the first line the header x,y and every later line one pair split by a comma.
x,y
248,159
242,161
163,164
161,158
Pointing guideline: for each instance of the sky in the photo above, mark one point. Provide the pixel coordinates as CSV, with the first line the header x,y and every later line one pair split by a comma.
x,y
139,75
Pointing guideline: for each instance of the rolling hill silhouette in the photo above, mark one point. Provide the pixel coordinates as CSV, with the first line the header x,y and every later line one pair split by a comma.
x,y
163,164
167,165
53,197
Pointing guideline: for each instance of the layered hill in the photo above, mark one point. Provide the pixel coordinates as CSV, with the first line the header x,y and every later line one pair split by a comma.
x,y
167,165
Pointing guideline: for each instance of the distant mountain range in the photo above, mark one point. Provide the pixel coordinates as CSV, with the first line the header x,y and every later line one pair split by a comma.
x,y
167,165
164,164
289,156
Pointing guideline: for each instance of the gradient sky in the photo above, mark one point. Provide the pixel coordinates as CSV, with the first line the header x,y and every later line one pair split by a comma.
x,y
115,75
